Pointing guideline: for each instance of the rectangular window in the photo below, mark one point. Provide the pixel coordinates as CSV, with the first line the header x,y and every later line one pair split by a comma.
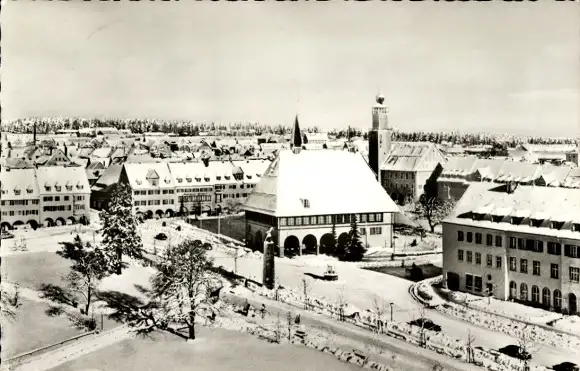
x,y
363,231
371,218
498,262
282,221
469,257
459,235
513,264
321,220
478,258
554,271
298,220
574,274
328,219
469,237
523,265
554,248
572,251
313,220
489,260
66,198
468,282
460,255
290,221
489,240
513,242
521,244
305,220
536,268
539,247
363,218
478,238
478,283
498,241
530,245
56,198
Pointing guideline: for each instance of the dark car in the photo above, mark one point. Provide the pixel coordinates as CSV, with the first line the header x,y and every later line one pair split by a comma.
x,y
6,235
426,323
207,246
161,237
566,366
516,352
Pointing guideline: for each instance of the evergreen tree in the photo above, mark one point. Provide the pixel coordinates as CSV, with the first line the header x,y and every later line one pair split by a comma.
x,y
120,235
355,249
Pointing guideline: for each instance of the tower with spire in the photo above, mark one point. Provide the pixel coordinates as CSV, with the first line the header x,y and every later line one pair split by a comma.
x,y
379,136
296,140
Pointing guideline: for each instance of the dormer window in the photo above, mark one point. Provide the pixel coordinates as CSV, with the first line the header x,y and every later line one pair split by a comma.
x,y
17,191
556,225
306,203
227,177
29,190
516,220
80,186
179,180
188,179
258,175
218,177
68,188
47,188
576,227
496,218
167,181
249,176
206,179
57,188
198,179
138,181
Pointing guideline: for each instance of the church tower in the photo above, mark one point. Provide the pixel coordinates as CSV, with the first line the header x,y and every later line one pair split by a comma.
x,y
379,136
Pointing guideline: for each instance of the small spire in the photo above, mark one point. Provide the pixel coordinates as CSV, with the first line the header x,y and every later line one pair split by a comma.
x,y
296,136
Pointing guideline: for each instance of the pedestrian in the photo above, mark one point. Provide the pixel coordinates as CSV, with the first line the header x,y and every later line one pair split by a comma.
x,y
263,311
297,320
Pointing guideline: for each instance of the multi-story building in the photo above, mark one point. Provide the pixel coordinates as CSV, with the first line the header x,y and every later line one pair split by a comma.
x,y
46,196
20,198
408,167
518,243
153,189
303,194
64,195
194,187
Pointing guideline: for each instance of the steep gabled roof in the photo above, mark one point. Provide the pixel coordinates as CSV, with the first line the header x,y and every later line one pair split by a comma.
x,y
334,182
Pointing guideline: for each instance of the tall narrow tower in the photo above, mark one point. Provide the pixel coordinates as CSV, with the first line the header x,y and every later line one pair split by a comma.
x,y
379,136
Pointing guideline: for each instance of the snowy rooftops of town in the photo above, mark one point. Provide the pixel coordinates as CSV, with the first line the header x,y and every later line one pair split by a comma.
x,y
151,175
318,182
493,206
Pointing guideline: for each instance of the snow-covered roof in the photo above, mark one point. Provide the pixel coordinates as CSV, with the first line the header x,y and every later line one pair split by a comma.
x,y
333,182
18,184
69,179
138,173
408,156
459,166
252,169
530,202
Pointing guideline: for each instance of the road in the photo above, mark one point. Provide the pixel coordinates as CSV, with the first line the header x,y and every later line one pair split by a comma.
x,y
361,287
408,356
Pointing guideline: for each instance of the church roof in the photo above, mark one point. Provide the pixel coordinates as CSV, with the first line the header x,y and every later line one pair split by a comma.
x,y
333,182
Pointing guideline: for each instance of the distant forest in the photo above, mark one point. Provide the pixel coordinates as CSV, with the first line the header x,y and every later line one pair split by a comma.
x,y
190,128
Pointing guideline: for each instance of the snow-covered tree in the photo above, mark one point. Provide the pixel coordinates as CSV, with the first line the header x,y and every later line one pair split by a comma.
x,y
9,302
89,267
434,210
183,286
120,235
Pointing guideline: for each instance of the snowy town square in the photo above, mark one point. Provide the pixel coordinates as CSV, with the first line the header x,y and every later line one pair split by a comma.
x,y
319,186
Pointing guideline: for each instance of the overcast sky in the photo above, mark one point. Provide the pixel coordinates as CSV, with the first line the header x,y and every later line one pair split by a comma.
x,y
494,66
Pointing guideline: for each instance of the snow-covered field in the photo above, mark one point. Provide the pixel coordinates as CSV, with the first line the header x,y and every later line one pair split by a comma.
x,y
569,323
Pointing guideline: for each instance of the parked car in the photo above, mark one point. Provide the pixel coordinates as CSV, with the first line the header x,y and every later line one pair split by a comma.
x,y
516,351
6,235
207,246
161,237
426,323
566,366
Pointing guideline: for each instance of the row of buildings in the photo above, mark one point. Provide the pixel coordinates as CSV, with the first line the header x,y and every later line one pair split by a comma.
x,y
46,196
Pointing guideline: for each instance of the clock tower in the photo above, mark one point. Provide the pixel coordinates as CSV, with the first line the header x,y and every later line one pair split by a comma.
x,y
379,136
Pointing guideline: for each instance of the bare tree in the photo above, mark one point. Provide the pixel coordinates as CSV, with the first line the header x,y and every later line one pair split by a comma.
x,y
183,287
527,348
306,288
9,302
290,320
420,320
470,353
341,302
434,210
278,328
380,308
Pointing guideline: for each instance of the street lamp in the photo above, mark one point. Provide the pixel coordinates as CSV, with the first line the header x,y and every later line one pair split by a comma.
x,y
391,305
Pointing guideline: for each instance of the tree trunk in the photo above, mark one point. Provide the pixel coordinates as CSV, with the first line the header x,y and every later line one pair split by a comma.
x,y
191,326
87,307
119,261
